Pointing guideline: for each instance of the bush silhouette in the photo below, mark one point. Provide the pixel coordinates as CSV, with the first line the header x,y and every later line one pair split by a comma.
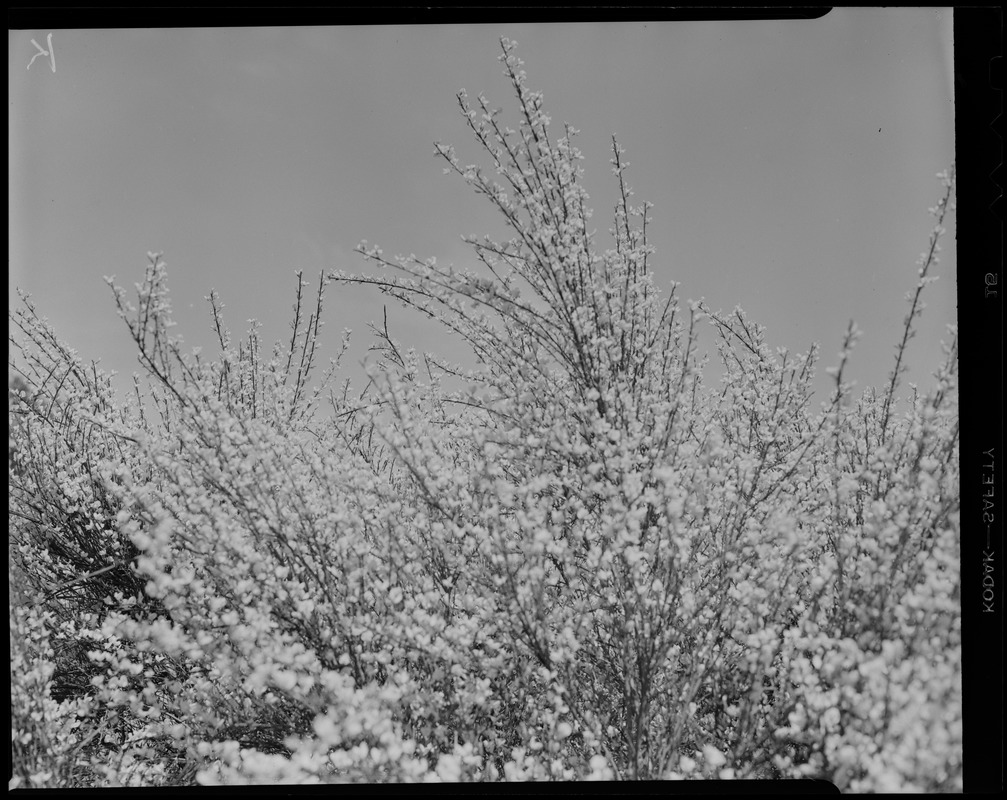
x,y
575,560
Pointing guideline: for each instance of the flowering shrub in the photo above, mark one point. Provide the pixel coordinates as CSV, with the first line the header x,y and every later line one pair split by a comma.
x,y
575,560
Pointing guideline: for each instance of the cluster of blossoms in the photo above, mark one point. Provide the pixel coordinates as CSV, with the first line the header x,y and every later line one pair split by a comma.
x,y
573,561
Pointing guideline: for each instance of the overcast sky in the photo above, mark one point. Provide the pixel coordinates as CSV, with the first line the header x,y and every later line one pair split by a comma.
x,y
791,166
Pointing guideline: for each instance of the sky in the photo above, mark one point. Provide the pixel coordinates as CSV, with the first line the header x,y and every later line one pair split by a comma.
x,y
790,163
